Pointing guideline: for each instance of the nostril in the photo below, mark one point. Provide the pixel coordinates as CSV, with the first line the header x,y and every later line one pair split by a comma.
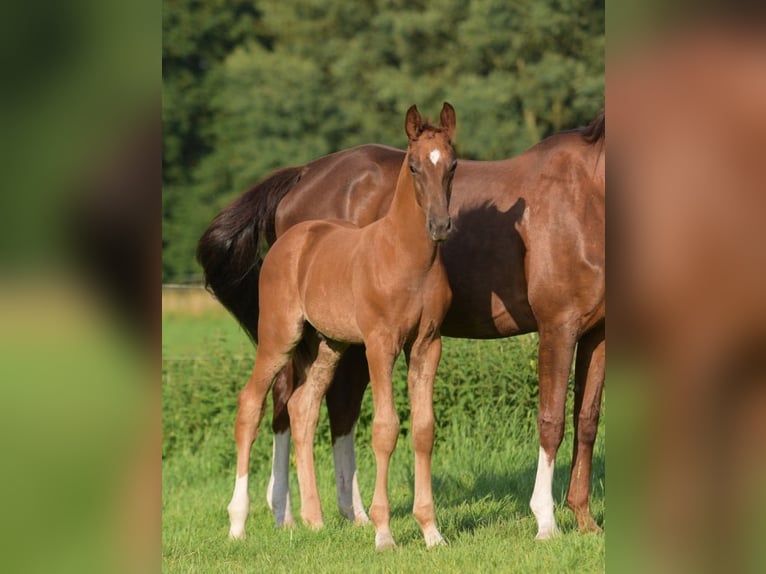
x,y
449,224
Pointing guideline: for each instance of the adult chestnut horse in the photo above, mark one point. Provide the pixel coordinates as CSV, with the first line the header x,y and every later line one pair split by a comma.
x,y
333,284
527,254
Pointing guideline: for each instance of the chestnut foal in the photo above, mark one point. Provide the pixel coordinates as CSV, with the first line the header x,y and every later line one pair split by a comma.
x,y
331,284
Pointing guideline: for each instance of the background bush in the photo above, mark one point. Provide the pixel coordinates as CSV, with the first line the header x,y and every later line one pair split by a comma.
x,y
490,381
249,87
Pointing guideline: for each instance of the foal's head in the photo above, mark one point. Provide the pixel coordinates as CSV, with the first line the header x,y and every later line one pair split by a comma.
x,y
431,161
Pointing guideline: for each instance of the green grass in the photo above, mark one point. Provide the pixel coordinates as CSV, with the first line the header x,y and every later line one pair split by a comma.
x,y
483,469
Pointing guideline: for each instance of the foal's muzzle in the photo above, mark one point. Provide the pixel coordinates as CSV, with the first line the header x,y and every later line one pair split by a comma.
x,y
439,228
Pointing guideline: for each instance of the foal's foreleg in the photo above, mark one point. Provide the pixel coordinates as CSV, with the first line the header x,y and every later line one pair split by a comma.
x,y
385,430
554,363
589,382
423,362
304,414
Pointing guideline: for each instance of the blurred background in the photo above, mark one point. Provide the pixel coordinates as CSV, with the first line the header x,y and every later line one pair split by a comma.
x,y
83,252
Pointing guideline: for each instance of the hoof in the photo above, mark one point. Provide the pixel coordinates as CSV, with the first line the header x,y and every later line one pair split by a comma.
x,y
286,523
237,520
433,538
314,524
384,542
592,529
237,533
547,533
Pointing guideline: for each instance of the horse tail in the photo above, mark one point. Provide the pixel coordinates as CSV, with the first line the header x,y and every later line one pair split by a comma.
x,y
231,249
595,131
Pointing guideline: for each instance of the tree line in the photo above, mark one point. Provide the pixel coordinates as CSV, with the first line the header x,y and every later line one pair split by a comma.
x,y
252,86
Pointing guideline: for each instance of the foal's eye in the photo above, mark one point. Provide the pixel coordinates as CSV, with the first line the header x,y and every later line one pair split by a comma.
x,y
453,166
412,169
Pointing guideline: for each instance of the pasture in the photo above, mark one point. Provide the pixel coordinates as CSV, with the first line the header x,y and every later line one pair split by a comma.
x,y
484,464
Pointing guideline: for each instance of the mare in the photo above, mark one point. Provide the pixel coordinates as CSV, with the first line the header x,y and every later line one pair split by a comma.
x,y
527,254
331,284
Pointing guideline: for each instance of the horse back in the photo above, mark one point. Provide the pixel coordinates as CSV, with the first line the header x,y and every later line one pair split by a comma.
x,y
354,185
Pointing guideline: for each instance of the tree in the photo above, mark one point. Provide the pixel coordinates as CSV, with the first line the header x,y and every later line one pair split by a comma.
x,y
250,90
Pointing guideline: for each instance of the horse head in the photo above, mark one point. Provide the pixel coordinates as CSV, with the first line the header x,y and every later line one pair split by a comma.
x,y
431,162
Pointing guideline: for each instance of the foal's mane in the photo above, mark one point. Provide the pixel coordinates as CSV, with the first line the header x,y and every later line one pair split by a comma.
x,y
428,126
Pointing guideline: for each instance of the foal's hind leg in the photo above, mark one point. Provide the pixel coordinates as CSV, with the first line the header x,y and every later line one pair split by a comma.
x,y
304,414
344,401
555,361
282,330
589,382
249,414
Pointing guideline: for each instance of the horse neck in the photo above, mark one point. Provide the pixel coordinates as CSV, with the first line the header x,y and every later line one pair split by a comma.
x,y
405,222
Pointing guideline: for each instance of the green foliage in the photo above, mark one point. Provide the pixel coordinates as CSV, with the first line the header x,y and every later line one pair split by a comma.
x,y
201,383
247,90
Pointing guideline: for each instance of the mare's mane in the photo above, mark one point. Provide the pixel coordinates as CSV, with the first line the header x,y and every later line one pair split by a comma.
x,y
595,131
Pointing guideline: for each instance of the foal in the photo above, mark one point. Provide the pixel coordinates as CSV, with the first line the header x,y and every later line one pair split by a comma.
x,y
331,284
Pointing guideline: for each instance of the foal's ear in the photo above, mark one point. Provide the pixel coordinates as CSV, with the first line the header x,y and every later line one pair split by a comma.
x,y
448,120
413,123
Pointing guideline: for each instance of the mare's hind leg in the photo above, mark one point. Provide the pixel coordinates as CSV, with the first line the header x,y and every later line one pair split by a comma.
x,y
589,382
278,491
344,400
304,414
273,354
554,363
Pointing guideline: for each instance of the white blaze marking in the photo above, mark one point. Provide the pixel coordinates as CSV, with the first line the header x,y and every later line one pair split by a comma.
x,y
435,156
278,493
542,498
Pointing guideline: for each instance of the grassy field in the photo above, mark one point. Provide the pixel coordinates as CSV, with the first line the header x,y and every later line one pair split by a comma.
x,y
483,465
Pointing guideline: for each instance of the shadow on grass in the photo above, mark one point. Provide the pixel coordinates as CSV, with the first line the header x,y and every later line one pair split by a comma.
x,y
497,497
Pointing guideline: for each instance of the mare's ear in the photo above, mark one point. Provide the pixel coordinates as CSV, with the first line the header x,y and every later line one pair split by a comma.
x,y
413,123
448,120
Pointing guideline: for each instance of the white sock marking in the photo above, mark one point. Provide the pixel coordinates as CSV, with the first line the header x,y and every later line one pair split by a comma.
x,y
434,156
346,483
542,498
360,516
238,508
278,493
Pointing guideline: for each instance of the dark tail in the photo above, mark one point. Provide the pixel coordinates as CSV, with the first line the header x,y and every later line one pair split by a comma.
x,y
231,249
596,129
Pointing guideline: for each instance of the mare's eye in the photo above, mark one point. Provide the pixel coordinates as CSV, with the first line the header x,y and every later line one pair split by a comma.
x,y
412,169
453,166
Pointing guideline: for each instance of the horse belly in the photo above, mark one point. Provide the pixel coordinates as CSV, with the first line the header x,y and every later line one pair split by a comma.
x,y
329,303
333,319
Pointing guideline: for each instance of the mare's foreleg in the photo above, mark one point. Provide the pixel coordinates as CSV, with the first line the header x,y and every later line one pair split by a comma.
x,y
304,414
554,363
423,361
344,401
589,382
